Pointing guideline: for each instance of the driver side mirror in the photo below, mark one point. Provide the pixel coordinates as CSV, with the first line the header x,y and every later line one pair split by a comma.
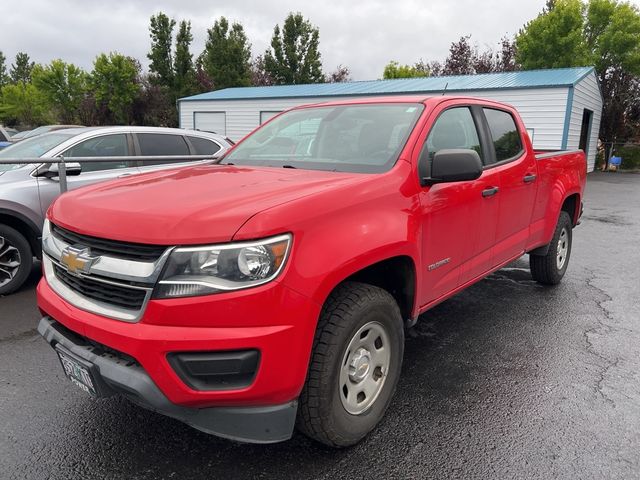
x,y
454,165
72,169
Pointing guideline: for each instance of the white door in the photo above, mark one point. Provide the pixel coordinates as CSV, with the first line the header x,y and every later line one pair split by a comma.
x,y
214,122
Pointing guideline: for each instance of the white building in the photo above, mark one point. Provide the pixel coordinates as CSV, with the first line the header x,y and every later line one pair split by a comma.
x,y
561,107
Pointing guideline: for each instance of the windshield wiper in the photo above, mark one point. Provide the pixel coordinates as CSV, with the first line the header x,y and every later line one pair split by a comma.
x,y
288,166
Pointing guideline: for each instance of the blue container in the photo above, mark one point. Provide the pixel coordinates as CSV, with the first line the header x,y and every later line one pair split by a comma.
x,y
615,161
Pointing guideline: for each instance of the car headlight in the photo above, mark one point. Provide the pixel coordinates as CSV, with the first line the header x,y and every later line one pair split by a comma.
x,y
192,271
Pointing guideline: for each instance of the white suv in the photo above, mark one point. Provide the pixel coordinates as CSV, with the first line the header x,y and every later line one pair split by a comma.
x,y
26,191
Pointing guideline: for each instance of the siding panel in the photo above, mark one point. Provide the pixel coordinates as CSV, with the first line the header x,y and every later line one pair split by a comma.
x,y
586,95
542,109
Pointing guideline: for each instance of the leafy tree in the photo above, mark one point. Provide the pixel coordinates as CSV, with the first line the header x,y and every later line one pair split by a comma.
x,y
259,75
506,58
23,103
294,57
63,85
161,32
4,78
115,84
603,33
184,73
461,58
21,70
227,55
394,70
339,75
555,38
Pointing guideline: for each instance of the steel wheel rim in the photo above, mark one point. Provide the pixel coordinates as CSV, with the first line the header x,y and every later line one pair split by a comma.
x,y
10,262
563,249
364,368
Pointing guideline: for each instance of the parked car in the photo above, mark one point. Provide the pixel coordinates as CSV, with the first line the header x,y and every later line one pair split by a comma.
x,y
26,191
273,289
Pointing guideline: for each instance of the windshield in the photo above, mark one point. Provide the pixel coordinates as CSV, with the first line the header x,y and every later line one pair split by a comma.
x,y
32,147
364,138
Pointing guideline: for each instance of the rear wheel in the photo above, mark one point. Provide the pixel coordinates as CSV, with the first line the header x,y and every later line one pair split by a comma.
x,y
355,365
16,259
550,268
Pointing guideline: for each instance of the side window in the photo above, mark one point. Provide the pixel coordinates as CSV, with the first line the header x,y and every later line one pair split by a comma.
x,y
154,144
454,128
504,133
202,146
103,146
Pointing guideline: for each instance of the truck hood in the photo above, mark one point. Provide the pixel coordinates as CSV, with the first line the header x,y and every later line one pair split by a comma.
x,y
194,205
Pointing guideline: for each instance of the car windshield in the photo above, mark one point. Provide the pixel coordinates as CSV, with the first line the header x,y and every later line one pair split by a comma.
x,y
364,138
32,147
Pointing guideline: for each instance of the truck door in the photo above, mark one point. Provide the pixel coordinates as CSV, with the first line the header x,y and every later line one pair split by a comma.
x,y
518,172
458,219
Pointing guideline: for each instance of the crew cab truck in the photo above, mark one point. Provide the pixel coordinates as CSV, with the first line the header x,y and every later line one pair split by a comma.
x,y
273,289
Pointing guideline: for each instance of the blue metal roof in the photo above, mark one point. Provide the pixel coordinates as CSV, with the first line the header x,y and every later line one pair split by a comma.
x,y
558,77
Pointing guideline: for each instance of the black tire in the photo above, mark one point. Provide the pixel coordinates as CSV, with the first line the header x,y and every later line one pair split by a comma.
x,y
322,415
11,239
546,269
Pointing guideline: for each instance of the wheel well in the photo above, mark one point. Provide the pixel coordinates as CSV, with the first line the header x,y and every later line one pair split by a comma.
x,y
397,276
25,229
570,206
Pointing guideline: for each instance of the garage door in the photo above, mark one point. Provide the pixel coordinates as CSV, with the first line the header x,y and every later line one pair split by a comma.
x,y
215,122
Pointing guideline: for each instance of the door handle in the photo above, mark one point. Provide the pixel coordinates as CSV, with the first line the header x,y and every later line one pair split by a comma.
x,y
530,178
125,175
489,192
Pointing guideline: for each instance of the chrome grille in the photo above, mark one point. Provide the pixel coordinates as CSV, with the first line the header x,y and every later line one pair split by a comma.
x,y
101,246
120,296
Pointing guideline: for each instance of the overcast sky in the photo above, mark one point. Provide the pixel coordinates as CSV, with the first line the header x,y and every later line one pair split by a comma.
x,y
361,35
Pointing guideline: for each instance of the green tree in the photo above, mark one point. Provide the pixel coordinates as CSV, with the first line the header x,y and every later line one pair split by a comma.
x,y
115,85
161,32
21,70
226,58
4,78
63,85
603,33
294,57
183,69
394,70
23,103
555,38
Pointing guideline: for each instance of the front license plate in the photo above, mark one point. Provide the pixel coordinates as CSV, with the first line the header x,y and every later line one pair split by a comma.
x,y
77,371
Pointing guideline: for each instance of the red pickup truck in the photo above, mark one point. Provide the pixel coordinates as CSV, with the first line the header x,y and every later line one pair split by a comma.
x,y
272,290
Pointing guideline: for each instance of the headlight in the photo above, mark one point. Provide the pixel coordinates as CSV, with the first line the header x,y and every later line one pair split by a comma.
x,y
192,271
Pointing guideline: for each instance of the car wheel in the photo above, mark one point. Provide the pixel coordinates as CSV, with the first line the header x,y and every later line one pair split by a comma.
x,y
550,268
16,260
355,365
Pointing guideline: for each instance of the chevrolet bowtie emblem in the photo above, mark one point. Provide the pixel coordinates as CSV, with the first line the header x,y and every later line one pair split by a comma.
x,y
77,259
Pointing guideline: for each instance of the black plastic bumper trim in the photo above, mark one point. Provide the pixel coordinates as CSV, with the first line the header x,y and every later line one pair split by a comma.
x,y
267,424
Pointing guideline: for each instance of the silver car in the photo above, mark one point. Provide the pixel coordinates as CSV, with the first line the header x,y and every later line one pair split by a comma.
x,y
26,191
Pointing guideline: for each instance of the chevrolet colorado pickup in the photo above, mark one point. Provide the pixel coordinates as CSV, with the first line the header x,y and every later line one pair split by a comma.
x,y
272,290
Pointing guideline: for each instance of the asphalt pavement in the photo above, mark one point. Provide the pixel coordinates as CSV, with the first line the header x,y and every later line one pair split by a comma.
x,y
508,379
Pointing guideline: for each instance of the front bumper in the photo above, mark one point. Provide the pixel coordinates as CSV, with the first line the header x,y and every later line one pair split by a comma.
x,y
123,375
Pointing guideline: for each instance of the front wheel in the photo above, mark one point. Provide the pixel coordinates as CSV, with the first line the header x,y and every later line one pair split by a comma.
x,y
355,365
550,268
16,260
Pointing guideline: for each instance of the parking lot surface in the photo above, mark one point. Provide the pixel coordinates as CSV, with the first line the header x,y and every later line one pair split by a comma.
x,y
508,379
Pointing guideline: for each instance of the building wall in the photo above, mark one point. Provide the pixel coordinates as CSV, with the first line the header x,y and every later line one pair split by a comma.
x,y
586,94
542,109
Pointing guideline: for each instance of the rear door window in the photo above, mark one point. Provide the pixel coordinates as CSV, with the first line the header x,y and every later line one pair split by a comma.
x,y
154,144
504,134
203,146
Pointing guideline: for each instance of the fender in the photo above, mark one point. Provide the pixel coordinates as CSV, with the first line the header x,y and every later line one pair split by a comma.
x,y
369,222
24,225
568,171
